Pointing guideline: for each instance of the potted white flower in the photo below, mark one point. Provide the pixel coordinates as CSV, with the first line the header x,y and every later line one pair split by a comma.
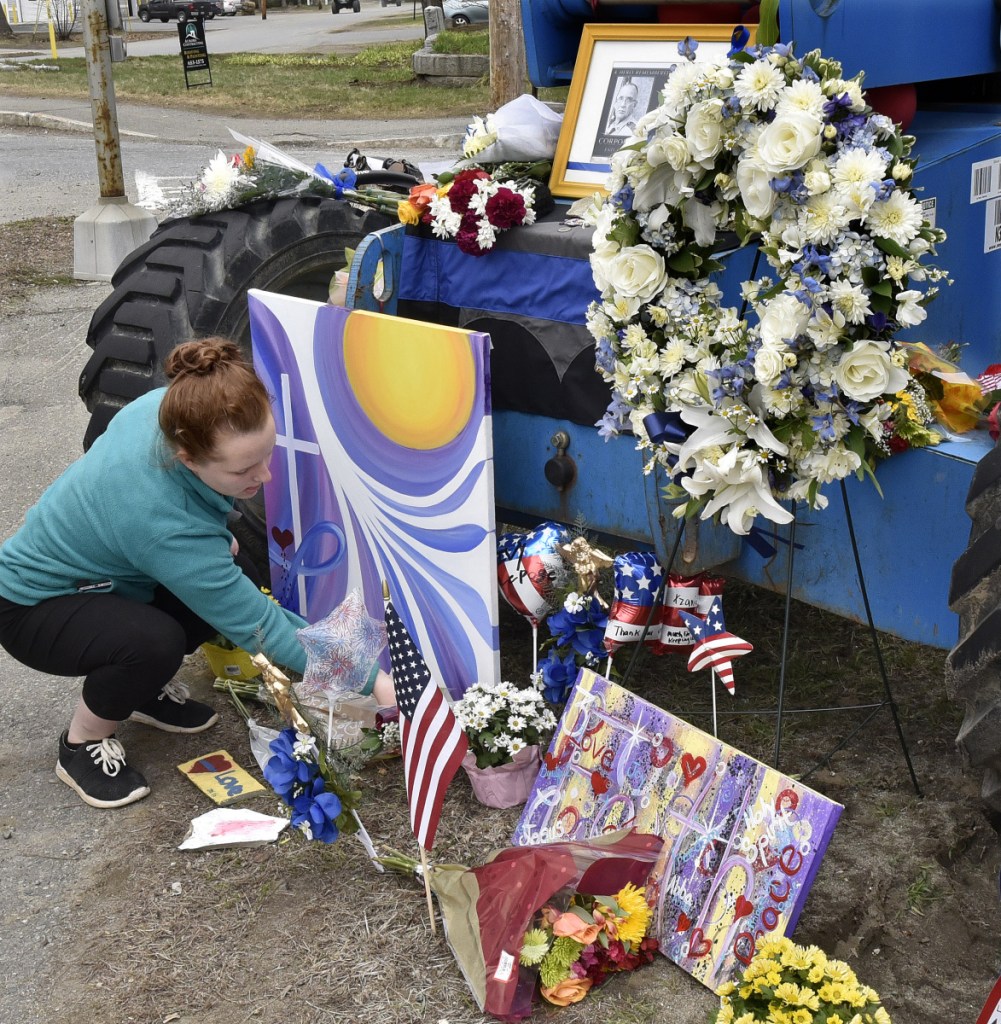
x,y
506,725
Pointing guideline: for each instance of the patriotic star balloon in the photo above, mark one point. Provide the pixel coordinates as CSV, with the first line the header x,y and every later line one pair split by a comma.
x,y
713,646
341,649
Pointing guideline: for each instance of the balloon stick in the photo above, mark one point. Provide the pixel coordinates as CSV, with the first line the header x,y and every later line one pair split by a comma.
x,y
712,683
535,648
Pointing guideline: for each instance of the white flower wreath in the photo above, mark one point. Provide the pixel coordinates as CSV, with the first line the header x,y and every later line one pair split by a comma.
x,y
762,144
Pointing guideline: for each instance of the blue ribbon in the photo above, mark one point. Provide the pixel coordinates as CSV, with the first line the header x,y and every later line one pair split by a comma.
x,y
344,178
665,426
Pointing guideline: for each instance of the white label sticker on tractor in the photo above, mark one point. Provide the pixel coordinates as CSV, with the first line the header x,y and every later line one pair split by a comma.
x,y
928,207
505,966
985,180
992,226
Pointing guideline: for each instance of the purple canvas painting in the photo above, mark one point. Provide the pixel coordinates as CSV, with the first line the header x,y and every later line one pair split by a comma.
x,y
742,842
383,470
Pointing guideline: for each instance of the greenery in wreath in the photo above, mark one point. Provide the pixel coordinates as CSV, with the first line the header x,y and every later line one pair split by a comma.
x,y
750,413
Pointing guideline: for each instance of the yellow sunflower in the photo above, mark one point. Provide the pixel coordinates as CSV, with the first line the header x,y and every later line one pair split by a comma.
x,y
633,925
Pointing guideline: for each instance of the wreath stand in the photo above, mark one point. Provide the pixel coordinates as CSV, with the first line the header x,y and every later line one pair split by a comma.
x,y
888,702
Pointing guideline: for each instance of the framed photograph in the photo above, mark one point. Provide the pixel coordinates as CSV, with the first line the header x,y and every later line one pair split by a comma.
x,y
618,77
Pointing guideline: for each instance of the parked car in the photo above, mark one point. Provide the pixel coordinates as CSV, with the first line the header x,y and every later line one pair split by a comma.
x,y
336,6
466,12
231,8
182,10
386,3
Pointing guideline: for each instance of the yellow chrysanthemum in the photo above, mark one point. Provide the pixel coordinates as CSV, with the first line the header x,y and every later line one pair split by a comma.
x,y
725,1015
248,156
833,992
838,970
881,1016
815,975
727,988
634,906
801,1015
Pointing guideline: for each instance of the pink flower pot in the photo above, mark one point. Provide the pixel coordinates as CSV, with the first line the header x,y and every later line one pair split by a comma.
x,y
505,785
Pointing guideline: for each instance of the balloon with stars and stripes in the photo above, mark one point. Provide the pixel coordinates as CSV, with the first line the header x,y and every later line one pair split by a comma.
x,y
713,647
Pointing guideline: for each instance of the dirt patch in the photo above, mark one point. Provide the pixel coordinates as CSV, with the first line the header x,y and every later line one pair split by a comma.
x,y
303,933
34,253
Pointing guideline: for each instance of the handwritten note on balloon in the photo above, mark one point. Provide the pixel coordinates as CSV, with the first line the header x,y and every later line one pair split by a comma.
x,y
742,842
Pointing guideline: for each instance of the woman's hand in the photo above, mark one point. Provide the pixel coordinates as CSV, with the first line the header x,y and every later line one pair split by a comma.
x,y
234,548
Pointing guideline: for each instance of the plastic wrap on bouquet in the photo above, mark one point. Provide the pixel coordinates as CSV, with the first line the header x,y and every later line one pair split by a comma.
x,y
526,566
637,576
488,909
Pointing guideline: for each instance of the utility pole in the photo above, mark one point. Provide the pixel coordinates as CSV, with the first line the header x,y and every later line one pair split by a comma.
x,y
508,67
106,233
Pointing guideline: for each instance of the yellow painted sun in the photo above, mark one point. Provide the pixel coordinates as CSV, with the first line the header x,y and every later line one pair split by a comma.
x,y
416,382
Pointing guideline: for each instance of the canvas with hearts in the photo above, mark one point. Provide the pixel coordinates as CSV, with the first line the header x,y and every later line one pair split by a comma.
x,y
742,842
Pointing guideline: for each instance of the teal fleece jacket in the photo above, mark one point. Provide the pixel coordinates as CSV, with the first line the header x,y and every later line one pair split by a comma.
x,y
130,514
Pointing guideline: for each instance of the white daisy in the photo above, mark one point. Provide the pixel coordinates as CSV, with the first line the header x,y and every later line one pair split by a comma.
x,y
898,218
759,85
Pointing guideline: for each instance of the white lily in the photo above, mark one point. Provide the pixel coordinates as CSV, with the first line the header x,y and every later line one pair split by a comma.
x,y
740,490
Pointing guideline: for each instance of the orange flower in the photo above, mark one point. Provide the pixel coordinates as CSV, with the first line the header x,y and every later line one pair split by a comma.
x,y
421,195
572,925
571,990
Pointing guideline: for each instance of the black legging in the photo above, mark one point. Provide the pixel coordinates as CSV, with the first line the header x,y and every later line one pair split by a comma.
x,y
127,651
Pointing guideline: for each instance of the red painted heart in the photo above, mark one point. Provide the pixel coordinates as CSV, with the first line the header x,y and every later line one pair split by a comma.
x,y
283,538
212,763
743,908
684,922
700,945
552,763
692,767
660,755
599,783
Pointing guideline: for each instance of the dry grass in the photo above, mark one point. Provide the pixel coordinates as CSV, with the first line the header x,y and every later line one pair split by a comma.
x,y
49,240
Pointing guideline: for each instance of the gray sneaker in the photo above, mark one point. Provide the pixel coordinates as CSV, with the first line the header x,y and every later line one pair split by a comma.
x,y
99,773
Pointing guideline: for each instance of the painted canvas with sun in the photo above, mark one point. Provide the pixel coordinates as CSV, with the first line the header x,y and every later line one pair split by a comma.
x,y
383,470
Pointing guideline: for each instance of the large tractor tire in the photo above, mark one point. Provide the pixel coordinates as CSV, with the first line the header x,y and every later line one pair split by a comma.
x,y
190,280
974,665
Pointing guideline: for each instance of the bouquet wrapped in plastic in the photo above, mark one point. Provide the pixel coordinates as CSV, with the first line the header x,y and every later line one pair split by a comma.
x,y
489,910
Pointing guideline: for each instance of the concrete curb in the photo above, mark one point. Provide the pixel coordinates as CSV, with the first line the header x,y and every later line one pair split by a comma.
x,y
22,119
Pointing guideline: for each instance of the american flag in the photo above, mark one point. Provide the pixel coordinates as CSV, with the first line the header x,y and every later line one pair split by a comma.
x,y
432,740
990,379
714,646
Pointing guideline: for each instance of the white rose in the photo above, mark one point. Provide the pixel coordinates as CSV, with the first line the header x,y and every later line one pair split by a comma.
x,y
636,272
704,130
789,141
784,318
755,187
663,149
676,152
866,372
817,182
768,364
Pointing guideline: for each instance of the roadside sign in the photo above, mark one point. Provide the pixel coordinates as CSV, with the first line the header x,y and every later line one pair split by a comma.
x,y
194,53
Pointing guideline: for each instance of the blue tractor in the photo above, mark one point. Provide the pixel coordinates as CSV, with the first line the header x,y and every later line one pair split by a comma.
x,y
531,293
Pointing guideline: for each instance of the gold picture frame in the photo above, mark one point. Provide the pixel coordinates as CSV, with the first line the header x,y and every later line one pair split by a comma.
x,y
631,61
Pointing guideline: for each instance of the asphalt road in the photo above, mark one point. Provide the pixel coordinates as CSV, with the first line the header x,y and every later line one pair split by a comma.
x,y
296,30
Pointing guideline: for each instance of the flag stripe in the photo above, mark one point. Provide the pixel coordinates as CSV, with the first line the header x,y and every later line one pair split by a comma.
x,y
724,645
432,741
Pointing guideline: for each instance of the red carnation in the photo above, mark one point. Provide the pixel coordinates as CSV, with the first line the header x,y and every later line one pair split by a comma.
x,y
466,239
506,209
463,189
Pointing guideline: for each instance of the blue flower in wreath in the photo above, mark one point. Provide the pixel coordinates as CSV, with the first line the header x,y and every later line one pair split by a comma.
x,y
285,772
558,675
316,811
